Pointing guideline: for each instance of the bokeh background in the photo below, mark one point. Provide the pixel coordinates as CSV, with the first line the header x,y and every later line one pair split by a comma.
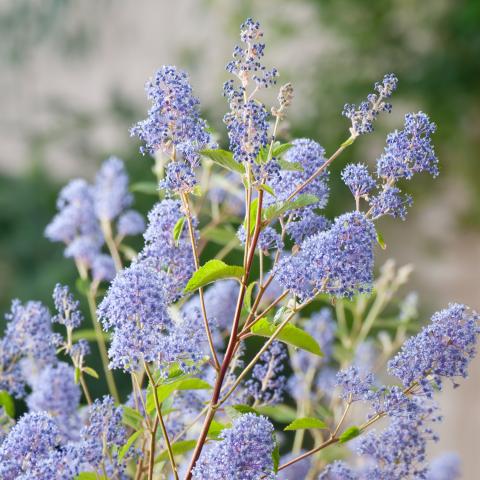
x,y
71,84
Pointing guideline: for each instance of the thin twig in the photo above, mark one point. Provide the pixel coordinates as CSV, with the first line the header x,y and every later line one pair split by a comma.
x,y
158,408
191,233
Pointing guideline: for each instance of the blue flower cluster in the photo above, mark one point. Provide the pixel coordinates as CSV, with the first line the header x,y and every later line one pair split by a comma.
x,y
31,451
443,349
245,449
134,308
338,261
363,116
267,383
174,125
84,211
171,257
26,345
102,437
110,192
408,151
54,391
247,120
67,307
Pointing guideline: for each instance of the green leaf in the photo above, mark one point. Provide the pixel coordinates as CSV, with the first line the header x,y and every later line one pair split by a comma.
x,y
235,411
165,390
178,448
131,417
148,188
130,442
280,413
76,375
281,149
91,372
279,209
348,142
225,159
267,189
276,455
290,334
178,228
6,401
197,191
348,434
306,422
253,216
262,155
210,272
381,241
290,166
89,476
215,429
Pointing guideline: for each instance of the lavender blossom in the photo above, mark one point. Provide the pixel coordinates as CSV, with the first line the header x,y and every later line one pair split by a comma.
x,y
75,224
338,470
269,239
84,249
173,125
31,449
442,349
245,449
76,213
110,193
130,222
54,391
267,384
354,384
163,252
29,332
410,150
180,177
357,178
397,452
305,223
247,120
67,307
134,309
338,261
363,116
103,268
390,202
103,435
308,156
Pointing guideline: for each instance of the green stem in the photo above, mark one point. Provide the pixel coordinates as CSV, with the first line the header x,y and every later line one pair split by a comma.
x,y
112,246
102,346
158,408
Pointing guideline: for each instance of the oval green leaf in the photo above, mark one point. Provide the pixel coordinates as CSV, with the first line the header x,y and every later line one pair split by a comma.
x,y
225,159
6,401
306,422
348,434
210,272
290,334
178,448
